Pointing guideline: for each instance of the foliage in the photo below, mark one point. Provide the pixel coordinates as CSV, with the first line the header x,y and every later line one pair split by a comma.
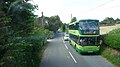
x,y
22,19
52,23
117,21
63,27
115,31
112,51
113,39
112,55
21,37
110,21
21,40
73,19
22,53
3,30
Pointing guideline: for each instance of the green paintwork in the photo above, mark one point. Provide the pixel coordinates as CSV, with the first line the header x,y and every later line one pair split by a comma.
x,y
75,32
84,49
79,48
88,49
78,33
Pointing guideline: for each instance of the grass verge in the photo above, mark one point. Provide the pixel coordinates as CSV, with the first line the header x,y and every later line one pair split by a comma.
x,y
42,51
111,55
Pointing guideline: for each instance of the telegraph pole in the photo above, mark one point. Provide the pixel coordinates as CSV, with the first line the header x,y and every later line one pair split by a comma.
x,y
42,19
71,16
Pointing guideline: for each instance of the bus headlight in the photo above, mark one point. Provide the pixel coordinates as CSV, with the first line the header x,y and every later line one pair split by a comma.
x,y
94,32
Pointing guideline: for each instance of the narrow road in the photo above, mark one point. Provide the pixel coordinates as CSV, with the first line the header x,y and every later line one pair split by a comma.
x,y
60,54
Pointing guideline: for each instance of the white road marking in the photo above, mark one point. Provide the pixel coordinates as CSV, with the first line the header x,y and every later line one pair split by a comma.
x,y
72,57
69,52
66,46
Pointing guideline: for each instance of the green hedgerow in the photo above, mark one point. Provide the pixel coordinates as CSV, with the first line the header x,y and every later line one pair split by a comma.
x,y
115,31
113,40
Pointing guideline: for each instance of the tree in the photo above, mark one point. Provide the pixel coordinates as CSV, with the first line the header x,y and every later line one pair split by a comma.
x,y
17,22
22,16
108,20
2,24
53,23
73,19
64,27
1,12
3,30
117,21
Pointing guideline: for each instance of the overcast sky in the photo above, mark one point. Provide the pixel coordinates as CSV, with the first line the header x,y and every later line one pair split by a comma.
x,y
81,9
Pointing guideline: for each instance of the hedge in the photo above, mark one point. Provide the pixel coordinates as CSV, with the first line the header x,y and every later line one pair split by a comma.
x,y
24,51
113,39
115,31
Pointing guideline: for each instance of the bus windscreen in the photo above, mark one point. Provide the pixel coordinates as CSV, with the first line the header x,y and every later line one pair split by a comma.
x,y
88,41
89,25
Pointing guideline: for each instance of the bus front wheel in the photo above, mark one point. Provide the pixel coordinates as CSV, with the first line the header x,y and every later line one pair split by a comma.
x,y
70,42
76,48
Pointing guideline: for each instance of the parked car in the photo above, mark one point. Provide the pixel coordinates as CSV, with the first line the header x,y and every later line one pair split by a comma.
x,y
66,37
51,36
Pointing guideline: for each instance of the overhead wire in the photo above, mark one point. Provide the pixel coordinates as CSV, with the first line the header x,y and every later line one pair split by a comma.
x,y
100,5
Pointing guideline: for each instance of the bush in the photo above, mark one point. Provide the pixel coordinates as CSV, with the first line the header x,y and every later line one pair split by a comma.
x,y
113,40
21,54
111,55
115,31
20,39
24,51
111,47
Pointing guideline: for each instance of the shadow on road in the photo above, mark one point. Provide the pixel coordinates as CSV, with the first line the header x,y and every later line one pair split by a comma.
x,y
89,54
57,35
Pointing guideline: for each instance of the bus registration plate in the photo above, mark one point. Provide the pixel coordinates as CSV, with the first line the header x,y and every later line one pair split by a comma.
x,y
90,51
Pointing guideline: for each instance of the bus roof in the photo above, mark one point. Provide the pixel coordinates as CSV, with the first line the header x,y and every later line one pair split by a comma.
x,y
89,20
83,20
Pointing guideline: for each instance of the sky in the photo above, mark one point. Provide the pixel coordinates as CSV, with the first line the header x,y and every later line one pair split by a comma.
x,y
81,9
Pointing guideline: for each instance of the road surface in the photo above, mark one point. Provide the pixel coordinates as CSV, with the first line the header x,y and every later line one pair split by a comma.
x,y
60,54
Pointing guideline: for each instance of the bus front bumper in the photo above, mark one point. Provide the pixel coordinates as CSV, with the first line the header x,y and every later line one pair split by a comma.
x,y
88,49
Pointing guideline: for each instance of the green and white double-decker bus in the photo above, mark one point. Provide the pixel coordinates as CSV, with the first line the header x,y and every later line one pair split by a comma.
x,y
84,36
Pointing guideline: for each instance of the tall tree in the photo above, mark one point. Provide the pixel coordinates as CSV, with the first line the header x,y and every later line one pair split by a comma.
x,y
117,21
3,25
22,16
1,12
64,27
54,23
73,19
3,31
108,20
17,22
